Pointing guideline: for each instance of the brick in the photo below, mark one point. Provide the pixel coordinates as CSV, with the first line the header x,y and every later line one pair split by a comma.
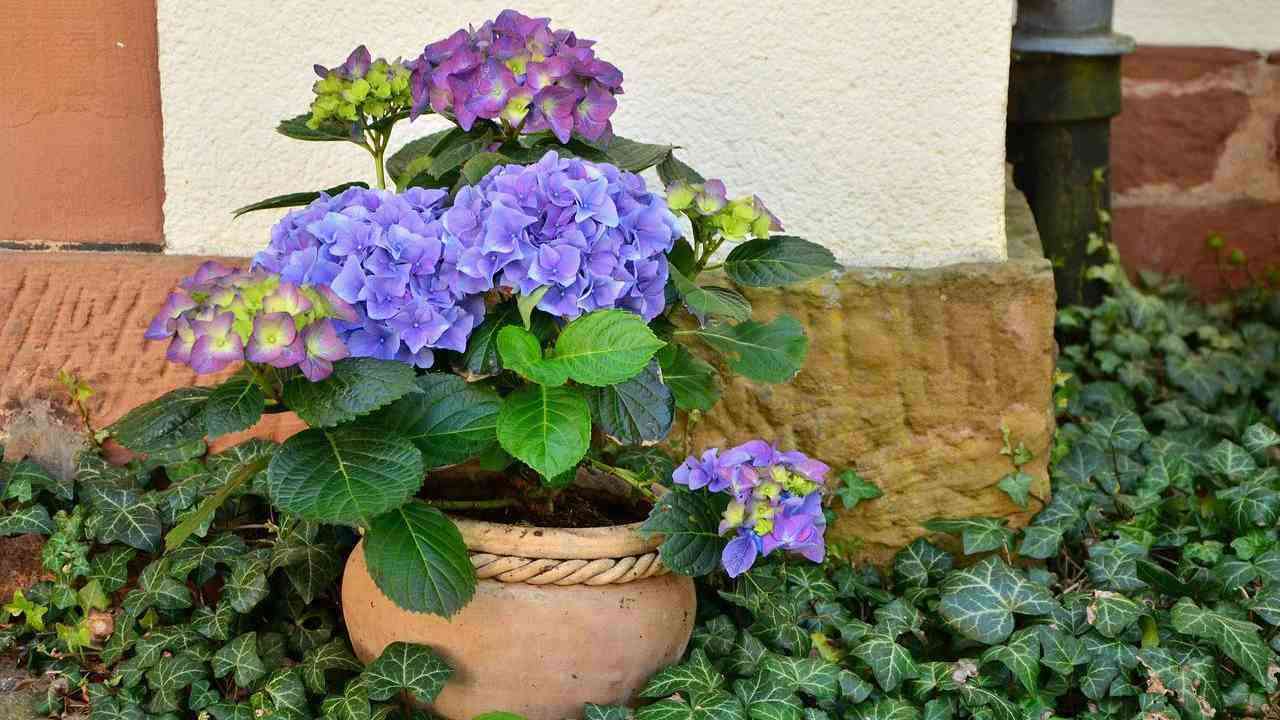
x,y
1171,240
80,132
1182,64
1173,139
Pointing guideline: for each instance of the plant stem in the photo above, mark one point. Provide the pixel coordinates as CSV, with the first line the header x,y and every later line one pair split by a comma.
x,y
378,151
268,388
472,504
627,476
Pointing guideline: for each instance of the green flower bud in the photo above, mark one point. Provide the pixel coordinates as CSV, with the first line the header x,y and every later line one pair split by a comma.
x,y
679,195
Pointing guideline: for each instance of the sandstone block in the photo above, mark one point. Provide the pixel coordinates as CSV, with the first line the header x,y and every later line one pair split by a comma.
x,y
1174,140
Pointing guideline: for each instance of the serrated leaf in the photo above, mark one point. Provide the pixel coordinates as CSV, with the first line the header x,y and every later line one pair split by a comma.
x,y
479,165
605,347
705,301
690,522
890,662
521,353
450,420
979,601
778,260
358,386
175,418
481,358
417,557
635,156
546,428
233,406
764,352
406,667
347,475
638,411
297,129
694,383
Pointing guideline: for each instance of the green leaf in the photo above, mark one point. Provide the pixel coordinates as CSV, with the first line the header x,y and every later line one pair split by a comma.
x,y
592,711
1237,639
247,584
1259,438
853,489
214,623
233,406
522,353
605,347
710,301
296,128
778,260
110,567
765,698
546,428
1017,485
696,675
357,386
175,418
455,150
194,554
979,601
638,411
481,358
1040,542
240,656
1123,431
978,534
814,677
769,353
693,382
352,704
921,563
635,156
526,303
295,199
1021,655
718,705
288,693
416,556
169,677
346,475
887,709
404,666
415,157
29,519
1062,651
1230,461
1251,504
450,421
31,474
124,517
256,456
890,662
333,656
475,168
310,566
671,170
690,522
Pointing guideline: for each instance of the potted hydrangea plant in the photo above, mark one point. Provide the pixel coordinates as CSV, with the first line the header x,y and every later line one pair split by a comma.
x,y
487,358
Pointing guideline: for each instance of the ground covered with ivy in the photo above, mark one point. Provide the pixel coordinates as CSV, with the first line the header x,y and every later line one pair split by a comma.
x,y
1147,585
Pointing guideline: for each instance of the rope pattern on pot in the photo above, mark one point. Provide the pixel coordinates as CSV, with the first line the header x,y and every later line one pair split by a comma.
x,y
542,571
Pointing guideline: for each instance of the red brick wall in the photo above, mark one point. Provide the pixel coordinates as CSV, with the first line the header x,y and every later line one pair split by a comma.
x,y
1195,153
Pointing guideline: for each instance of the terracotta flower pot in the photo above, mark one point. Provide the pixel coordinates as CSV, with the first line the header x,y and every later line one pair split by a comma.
x,y
560,617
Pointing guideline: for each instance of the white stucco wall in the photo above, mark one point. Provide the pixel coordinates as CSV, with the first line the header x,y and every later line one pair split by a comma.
x,y
1245,24
875,127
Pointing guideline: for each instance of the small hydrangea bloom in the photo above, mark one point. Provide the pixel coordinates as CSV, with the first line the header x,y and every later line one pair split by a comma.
x,y
359,88
382,254
775,500
735,219
517,69
220,315
589,233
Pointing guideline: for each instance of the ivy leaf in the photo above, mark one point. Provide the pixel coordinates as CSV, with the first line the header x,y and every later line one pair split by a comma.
x,y
1081,462
767,699
352,704
778,260
694,382
1259,438
247,584
853,489
978,534
1021,654
193,554
124,517
1230,461
1123,431
1040,542
30,474
605,347
234,405
1017,485
405,666
898,617
450,421
113,708
747,655
592,711
333,656
890,662
418,558
311,567
169,677
1251,505
110,568
29,519
1237,639
175,418
718,705
546,428
288,693
921,563
345,475
979,601
1111,613
888,709
768,353
157,589
214,622
1062,651
240,656
638,411
697,676
690,522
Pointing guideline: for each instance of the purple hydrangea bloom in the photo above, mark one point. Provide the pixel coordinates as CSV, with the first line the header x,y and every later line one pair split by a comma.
x,y
220,315
383,254
517,69
775,500
589,233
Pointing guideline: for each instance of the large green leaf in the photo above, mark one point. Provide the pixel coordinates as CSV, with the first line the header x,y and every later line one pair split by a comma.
x,y
778,260
638,411
765,352
346,475
416,556
814,677
689,522
407,667
521,353
921,563
767,698
635,156
1123,431
233,406
1237,639
450,420
124,517
333,656
295,199
246,586
709,300
357,386
979,601
175,418
695,384
1230,461
546,428
605,347
718,705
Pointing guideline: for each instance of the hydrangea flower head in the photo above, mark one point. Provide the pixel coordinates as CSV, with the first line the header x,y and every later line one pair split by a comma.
x,y
735,219
775,500
517,69
380,256
359,88
220,315
589,233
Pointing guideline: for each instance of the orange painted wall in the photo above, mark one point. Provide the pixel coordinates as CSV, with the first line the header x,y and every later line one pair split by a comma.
x,y
80,124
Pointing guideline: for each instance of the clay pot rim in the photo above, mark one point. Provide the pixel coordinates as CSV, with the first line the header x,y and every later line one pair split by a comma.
x,y
592,543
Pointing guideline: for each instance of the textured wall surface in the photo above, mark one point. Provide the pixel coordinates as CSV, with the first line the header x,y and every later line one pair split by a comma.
x,y
1253,24
873,127
79,124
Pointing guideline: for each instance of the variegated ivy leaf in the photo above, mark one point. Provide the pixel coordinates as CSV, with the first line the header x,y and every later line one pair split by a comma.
x,y
765,698
173,638
591,711
193,554
695,675
23,520
1188,678
122,639
27,472
214,622
1021,654
1234,574
1040,542
288,693
921,563
717,705
1237,639
1123,431
890,662
1250,505
246,586
311,566
109,707
1258,438
1230,461
1061,651
1081,462
201,695
887,709
240,657
979,601
748,652
716,636
982,701
92,469
170,676
406,666
809,583
978,534
352,704
124,516
223,466
156,589
333,656
1266,604
1112,566
1112,613
814,677
898,617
